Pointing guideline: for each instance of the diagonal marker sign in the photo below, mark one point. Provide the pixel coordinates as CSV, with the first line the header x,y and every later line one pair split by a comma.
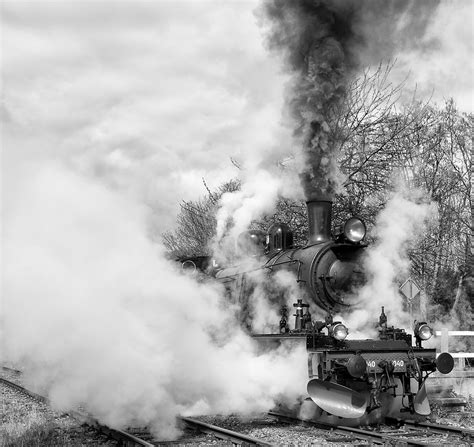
x,y
410,289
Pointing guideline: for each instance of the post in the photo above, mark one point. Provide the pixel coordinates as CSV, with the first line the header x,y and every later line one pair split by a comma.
x,y
444,340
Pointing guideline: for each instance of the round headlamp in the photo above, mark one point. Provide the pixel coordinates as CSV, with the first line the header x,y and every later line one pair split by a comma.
x,y
354,229
189,266
339,331
424,331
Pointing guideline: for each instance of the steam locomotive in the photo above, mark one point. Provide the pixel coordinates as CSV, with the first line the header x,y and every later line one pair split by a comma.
x,y
358,380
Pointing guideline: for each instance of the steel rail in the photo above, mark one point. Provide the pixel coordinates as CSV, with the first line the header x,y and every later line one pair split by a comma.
x,y
24,390
223,433
342,429
435,427
16,371
126,439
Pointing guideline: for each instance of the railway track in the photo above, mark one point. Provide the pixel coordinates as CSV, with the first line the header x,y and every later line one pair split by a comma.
x,y
141,436
363,435
398,432
438,428
12,370
222,433
403,432
196,426
124,438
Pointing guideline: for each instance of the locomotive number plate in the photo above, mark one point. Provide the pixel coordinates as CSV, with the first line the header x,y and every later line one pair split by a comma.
x,y
373,365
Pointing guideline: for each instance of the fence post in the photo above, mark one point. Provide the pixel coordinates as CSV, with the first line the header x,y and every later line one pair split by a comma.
x,y
444,340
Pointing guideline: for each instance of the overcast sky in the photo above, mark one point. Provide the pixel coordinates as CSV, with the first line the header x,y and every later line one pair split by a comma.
x,y
150,97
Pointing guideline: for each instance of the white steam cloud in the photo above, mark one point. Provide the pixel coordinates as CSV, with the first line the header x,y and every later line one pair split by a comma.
x,y
112,113
257,196
270,291
97,317
405,216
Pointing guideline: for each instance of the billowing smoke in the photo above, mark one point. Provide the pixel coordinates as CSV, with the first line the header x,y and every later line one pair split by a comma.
x,y
98,318
268,293
405,216
313,45
325,43
261,187
110,116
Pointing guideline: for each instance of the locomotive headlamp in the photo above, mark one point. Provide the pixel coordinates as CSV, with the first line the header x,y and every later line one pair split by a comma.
x,y
354,229
338,331
423,331
189,266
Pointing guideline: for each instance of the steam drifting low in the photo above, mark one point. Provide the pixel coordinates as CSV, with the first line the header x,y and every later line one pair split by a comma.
x,y
97,317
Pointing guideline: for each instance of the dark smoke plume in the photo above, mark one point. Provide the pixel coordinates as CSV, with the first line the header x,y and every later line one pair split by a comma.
x,y
325,43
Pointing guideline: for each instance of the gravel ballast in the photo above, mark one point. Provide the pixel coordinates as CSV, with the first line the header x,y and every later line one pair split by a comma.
x,y
27,422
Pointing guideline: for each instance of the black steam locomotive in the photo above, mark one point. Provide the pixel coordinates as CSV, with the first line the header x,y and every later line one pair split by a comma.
x,y
360,380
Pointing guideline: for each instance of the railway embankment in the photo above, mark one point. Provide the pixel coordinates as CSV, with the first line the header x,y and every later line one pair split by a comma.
x,y
27,421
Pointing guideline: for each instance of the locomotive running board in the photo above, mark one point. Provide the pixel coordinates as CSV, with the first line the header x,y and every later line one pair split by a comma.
x,y
337,399
421,404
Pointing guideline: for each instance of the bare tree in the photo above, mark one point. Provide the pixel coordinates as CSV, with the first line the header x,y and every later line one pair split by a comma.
x,y
430,146
196,223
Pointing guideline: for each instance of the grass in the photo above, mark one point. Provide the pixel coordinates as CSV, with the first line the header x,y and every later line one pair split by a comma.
x,y
35,429
31,429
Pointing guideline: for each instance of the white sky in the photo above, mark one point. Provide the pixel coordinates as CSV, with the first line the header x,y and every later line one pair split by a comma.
x,y
149,97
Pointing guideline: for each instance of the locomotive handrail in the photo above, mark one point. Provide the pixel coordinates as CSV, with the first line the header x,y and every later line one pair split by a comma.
x,y
291,261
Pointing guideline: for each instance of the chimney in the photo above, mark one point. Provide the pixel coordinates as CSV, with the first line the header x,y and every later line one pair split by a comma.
x,y
319,219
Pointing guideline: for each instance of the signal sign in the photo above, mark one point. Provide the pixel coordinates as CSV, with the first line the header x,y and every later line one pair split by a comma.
x,y
410,289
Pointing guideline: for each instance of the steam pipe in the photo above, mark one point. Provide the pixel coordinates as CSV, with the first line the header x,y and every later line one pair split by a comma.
x,y
319,220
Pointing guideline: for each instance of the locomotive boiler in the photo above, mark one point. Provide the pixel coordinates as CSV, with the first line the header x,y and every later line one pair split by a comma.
x,y
326,268
361,380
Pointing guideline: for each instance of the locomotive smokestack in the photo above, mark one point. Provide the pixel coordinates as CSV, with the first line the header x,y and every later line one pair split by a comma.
x,y
319,219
